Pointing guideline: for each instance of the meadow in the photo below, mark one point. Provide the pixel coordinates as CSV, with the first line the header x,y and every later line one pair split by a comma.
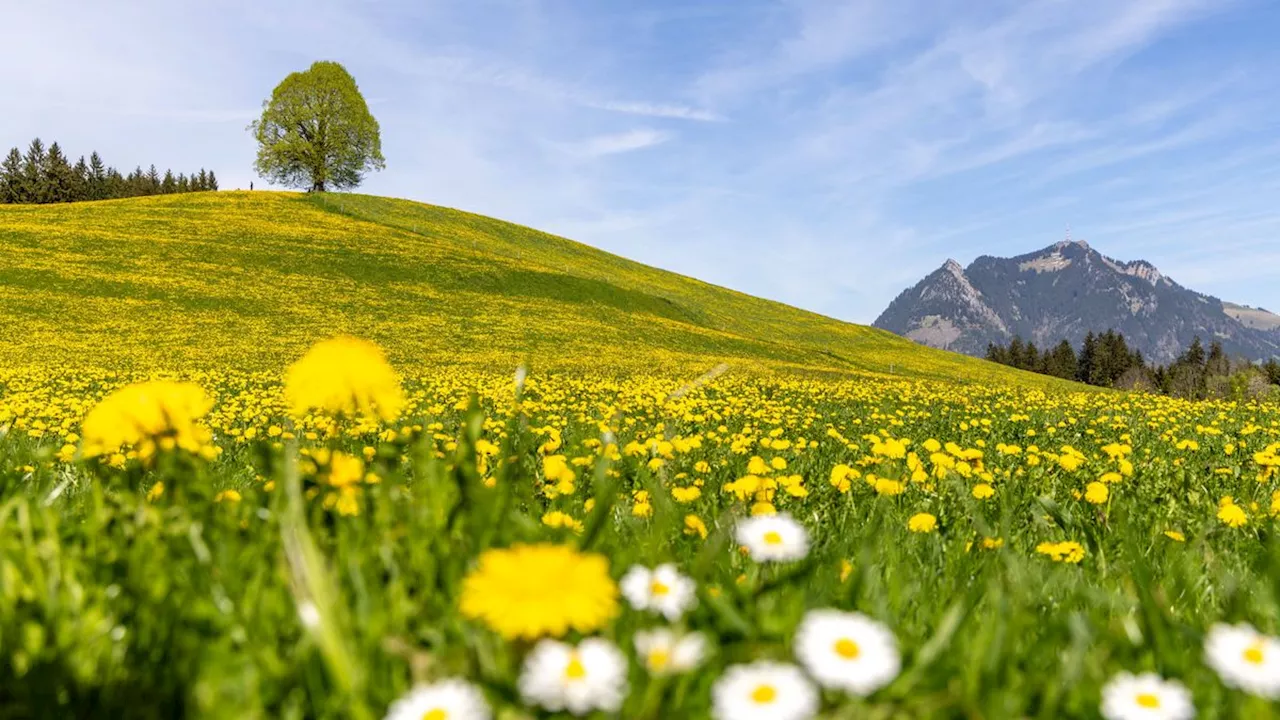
x,y
231,509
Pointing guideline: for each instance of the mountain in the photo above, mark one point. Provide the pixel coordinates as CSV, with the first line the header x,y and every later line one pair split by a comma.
x,y
1257,318
247,279
1065,291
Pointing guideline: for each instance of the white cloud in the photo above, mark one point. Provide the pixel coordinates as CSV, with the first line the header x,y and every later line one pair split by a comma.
x,y
622,142
678,112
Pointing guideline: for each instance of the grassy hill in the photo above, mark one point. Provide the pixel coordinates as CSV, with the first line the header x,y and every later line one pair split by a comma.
x,y
251,279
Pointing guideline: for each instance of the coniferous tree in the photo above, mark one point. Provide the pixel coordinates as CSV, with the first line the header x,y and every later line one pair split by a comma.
x,y
1030,358
137,182
1272,369
12,181
114,185
33,165
1217,364
1062,361
44,175
996,353
1016,351
59,184
1088,354
1195,353
80,181
1186,376
97,178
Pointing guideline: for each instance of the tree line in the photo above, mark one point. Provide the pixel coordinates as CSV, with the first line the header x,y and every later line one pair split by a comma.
x,y
46,175
1106,360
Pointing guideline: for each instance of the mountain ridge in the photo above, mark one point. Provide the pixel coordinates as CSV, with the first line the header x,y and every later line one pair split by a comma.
x,y
1064,291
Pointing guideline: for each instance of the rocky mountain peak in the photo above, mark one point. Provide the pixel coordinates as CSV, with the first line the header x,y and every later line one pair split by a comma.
x,y
1062,292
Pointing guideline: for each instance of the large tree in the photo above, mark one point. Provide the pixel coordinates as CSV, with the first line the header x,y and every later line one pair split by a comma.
x,y
316,131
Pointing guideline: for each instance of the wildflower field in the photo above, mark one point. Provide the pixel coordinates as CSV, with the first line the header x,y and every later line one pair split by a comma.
x,y
265,518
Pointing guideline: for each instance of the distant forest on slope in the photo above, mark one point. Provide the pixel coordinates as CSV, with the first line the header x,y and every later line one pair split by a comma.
x,y
46,175
1106,360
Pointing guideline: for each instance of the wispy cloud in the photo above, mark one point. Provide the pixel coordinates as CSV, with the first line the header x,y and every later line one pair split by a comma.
x,y
678,112
623,142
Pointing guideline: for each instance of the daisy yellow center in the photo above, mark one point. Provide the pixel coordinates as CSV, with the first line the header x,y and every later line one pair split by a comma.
x,y
764,694
575,670
772,538
1253,654
657,588
847,649
658,659
1147,700
436,714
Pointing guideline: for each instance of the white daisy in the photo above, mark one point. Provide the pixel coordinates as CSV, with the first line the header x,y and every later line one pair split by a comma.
x,y
773,537
847,651
444,700
763,690
558,676
664,651
1244,658
1146,697
662,589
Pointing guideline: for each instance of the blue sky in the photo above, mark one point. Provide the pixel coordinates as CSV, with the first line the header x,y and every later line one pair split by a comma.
x,y
825,154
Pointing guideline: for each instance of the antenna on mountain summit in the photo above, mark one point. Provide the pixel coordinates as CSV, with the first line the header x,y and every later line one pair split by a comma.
x,y
1068,233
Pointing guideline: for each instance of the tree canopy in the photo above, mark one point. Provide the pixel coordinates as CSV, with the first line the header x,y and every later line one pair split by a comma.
x,y
316,131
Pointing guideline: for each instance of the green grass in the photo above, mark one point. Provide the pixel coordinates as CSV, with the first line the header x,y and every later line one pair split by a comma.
x,y
116,605
242,279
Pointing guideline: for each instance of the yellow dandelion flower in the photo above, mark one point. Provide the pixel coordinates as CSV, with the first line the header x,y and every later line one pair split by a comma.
x,y
693,525
344,376
885,486
686,494
532,591
1066,551
228,496
1232,515
922,523
159,413
557,519
1096,493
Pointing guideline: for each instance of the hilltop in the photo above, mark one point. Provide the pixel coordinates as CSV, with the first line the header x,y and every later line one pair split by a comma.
x,y
1064,292
251,279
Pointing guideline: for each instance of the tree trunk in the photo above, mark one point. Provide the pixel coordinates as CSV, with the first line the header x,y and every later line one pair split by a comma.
x,y
318,186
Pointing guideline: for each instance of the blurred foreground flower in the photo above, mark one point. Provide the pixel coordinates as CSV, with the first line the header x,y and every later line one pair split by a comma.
x,y
764,690
149,415
558,676
662,590
1146,697
1067,551
922,523
445,700
773,538
344,376
1244,658
847,651
664,651
528,591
